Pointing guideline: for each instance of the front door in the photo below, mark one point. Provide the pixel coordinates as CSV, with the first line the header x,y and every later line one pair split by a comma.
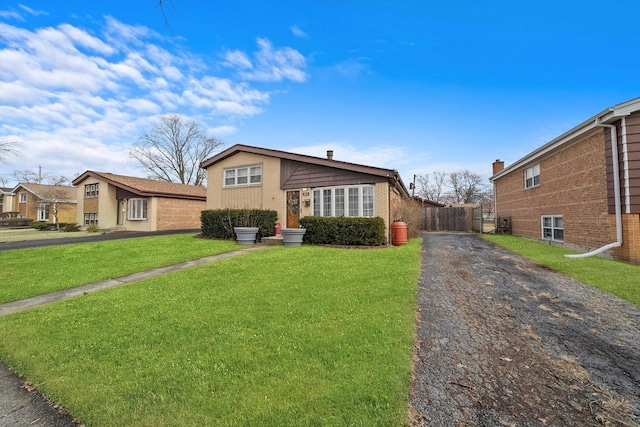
x,y
293,209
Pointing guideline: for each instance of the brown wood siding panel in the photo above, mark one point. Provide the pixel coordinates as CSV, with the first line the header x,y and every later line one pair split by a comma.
x,y
633,162
295,175
90,205
124,194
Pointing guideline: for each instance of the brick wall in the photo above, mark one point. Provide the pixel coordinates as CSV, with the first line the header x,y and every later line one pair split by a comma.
x,y
630,249
572,184
176,214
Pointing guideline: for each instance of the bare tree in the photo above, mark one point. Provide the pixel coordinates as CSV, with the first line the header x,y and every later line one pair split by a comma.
x,y
38,177
7,150
53,197
432,186
166,6
173,150
466,187
27,176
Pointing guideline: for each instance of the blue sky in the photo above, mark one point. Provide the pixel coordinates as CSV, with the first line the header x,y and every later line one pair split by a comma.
x,y
418,86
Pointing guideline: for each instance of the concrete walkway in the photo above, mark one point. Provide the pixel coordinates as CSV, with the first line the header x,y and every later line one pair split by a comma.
x,y
20,403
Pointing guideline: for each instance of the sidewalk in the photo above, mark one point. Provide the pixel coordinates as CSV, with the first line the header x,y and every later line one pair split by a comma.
x,y
20,403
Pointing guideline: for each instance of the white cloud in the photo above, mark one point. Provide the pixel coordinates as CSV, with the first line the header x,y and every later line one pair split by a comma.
x,y
353,67
238,59
32,11
78,99
298,32
270,64
9,14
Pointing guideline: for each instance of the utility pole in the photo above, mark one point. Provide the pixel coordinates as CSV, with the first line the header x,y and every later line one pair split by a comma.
x,y
413,186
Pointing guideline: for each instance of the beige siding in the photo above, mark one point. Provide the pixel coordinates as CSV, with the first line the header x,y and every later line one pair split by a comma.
x,y
105,205
268,195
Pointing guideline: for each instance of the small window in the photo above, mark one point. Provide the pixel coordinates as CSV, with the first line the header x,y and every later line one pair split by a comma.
x,y
553,227
532,177
137,210
91,190
91,219
244,176
23,197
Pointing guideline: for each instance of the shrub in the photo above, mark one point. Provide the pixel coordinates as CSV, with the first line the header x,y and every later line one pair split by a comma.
x,y
219,223
44,226
16,222
344,230
409,212
93,228
69,227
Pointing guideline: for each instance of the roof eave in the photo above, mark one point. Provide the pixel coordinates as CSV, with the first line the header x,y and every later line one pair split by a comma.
x,y
371,170
582,130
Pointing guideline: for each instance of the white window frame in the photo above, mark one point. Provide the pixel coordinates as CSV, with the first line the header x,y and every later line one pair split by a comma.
x,y
552,227
324,201
138,209
243,176
43,212
23,197
90,218
91,190
532,177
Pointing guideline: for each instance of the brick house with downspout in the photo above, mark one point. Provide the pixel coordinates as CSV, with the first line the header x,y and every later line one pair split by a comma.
x,y
579,190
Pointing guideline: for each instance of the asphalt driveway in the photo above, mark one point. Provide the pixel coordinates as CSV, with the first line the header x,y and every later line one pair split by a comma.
x,y
503,341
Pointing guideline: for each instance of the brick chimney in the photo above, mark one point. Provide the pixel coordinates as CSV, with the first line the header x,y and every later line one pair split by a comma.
x,y
330,154
498,165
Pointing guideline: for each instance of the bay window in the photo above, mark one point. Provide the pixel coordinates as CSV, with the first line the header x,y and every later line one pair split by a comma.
x,y
354,201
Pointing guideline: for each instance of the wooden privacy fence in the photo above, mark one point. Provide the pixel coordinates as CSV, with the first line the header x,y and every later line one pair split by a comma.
x,y
452,219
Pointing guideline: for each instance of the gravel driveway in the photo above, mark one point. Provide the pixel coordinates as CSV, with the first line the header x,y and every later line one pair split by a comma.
x,y
502,341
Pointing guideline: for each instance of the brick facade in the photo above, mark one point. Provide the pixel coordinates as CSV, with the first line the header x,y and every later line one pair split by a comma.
x,y
175,214
577,183
572,184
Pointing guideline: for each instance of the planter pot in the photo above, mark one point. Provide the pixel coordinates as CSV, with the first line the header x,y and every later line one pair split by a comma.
x,y
293,236
246,235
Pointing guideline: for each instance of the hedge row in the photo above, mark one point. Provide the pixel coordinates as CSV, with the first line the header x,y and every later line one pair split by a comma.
x,y
344,230
219,223
16,222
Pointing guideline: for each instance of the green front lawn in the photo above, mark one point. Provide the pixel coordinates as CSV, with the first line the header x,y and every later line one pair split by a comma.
x,y
30,272
618,278
280,337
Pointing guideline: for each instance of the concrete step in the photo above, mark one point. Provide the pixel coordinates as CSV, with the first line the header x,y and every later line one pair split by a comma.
x,y
272,240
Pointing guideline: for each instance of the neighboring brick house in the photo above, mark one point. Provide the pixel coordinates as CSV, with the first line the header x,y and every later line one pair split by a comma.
x,y
113,201
297,185
6,203
43,203
571,192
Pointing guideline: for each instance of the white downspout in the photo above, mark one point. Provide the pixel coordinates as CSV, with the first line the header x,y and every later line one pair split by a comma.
x,y
616,190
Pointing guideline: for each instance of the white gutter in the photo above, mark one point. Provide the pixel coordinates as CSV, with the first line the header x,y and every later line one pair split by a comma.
x,y
616,190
